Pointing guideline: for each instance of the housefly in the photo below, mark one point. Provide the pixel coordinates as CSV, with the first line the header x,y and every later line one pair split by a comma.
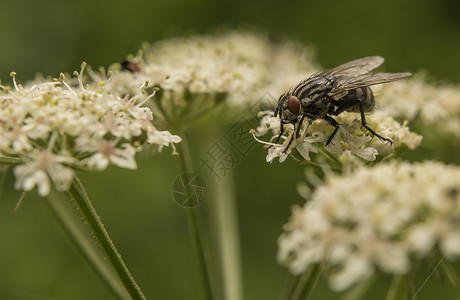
x,y
331,92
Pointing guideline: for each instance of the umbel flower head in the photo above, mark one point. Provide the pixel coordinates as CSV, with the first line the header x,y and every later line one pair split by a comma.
x,y
385,218
431,107
194,73
49,129
349,143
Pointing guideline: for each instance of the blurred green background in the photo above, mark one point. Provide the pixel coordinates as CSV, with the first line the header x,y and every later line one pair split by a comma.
x,y
150,229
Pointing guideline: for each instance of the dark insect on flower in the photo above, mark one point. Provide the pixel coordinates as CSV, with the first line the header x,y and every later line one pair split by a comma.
x,y
132,67
331,92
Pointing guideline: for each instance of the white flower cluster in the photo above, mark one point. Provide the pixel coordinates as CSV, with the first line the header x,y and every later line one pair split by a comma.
x,y
376,219
349,142
415,99
49,129
242,66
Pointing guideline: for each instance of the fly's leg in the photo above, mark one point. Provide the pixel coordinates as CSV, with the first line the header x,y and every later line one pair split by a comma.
x,y
281,133
345,106
289,144
297,132
336,125
340,109
279,136
364,124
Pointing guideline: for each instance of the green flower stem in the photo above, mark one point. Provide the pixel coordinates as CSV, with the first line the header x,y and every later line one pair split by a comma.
x,y
196,232
225,222
306,283
5,160
450,272
78,193
329,156
358,291
85,245
289,286
196,227
399,288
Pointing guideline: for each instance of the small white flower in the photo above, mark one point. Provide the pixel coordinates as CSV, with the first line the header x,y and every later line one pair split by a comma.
x,y
124,156
52,127
305,148
398,133
43,166
237,66
283,150
431,107
380,218
278,151
421,238
305,145
349,142
108,152
162,138
355,269
450,245
267,123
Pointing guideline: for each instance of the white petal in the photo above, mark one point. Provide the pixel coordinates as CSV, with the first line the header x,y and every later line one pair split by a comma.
x,y
368,153
305,148
421,238
356,269
450,245
97,161
124,158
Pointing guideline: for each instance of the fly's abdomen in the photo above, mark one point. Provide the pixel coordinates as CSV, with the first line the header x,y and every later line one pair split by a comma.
x,y
363,95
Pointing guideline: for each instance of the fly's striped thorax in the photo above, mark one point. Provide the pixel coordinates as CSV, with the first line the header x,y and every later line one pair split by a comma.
x,y
316,85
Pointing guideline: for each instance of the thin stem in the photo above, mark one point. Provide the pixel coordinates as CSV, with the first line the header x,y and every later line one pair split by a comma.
x,y
358,291
225,222
85,245
21,199
3,173
78,193
429,277
202,250
399,288
320,166
196,227
306,283
450,272
289,286
326,153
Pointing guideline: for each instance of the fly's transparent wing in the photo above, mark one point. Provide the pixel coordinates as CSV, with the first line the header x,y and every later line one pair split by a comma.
x,y
346,83
355,67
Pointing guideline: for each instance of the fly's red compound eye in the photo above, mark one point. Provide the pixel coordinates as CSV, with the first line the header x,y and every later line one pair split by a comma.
x,y
293,105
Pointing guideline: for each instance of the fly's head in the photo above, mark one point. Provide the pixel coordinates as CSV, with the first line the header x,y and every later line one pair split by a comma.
x,y
289,109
